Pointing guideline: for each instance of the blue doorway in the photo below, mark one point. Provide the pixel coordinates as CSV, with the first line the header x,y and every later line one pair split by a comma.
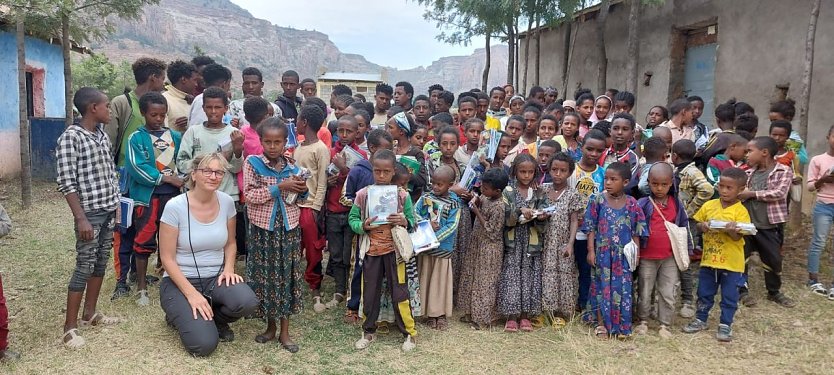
x,y
699,78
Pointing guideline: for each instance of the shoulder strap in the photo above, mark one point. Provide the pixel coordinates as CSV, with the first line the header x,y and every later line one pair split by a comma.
x,y
657,209
190,245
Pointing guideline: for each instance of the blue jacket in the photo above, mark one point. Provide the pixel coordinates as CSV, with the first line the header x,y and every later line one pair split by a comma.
x,y
681,220
140,163
361,175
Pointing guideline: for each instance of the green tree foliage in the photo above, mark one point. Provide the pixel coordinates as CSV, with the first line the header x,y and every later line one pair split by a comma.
x,y
461,20
99,72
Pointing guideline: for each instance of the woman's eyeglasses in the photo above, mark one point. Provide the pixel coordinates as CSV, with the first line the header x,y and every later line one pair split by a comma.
x,y
210,172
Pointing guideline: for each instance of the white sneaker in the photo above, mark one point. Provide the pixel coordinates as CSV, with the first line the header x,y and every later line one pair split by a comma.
x,y
641,328
365,342
664,332
143,299
687,311
409,344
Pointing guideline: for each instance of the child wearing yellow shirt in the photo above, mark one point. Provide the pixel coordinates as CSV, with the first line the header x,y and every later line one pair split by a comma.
x,y
722,263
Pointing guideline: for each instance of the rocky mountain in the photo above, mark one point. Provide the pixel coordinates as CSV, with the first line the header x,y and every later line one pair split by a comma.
x,y
174,29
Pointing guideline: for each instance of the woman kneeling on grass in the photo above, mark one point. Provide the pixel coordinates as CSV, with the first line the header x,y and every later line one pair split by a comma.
x,y
200,292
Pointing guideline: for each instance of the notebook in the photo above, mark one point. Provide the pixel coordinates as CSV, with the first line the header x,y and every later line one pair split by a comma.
x,y
126,214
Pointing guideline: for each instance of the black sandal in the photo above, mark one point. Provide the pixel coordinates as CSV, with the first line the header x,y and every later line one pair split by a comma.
x,y
292,348
263,339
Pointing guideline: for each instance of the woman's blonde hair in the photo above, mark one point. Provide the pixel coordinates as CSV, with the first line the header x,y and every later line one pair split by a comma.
x,y
202,162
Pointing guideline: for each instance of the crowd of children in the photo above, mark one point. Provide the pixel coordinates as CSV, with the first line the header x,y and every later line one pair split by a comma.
x,y
575,210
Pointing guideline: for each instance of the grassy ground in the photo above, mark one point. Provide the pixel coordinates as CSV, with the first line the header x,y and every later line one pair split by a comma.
x,y
38,257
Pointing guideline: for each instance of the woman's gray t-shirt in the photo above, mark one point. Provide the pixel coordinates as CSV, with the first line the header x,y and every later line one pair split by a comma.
x,y
208,239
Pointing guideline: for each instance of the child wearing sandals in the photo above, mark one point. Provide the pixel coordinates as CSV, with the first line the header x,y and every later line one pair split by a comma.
x,y
613,221
520,288
379,259
273,264
821,181
482,266
658,270
559,275
442,208
87,179
722,264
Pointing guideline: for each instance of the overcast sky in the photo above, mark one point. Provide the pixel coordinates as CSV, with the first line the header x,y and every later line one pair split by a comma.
x,y
387,32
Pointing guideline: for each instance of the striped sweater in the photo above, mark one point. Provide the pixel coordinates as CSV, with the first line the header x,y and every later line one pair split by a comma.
x,y
446,212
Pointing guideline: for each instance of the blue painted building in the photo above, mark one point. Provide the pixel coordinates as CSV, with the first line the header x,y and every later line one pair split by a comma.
x,y
45,91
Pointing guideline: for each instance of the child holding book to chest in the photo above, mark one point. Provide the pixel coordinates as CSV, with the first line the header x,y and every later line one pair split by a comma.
x,y
520,289
559,280
344,154
614,223
442,208
380,257
273,264
360,176
482,266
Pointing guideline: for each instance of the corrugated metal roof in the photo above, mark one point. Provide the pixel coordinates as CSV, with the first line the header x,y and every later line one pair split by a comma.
x,y
342,76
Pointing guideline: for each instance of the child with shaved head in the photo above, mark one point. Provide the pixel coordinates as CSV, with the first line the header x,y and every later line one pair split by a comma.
x,y
658,270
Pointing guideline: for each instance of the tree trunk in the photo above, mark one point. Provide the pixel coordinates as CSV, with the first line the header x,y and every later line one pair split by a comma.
x,y
602,75
485,79
527,54
633,47
65,51
511,45
25,156
805,96
570,43
538,52
515,63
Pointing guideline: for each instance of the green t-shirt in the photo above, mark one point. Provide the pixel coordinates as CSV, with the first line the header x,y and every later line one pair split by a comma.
x,y
134,122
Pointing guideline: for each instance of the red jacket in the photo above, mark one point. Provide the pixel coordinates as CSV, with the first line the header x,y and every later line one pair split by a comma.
x,y
331,199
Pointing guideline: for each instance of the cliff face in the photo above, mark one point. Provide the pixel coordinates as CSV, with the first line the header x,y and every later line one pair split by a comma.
x,y
459,73
236,39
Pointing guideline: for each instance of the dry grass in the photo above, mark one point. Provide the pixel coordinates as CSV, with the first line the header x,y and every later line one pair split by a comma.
x,y
36,261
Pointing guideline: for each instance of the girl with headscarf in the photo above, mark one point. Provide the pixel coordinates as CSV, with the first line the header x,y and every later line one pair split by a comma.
x,y
401,127
602,109
516,108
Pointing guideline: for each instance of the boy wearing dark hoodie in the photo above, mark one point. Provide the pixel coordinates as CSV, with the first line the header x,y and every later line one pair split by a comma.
x,y
360,176
289,102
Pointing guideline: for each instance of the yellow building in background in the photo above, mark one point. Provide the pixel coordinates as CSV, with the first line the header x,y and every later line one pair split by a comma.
x,y
359,83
